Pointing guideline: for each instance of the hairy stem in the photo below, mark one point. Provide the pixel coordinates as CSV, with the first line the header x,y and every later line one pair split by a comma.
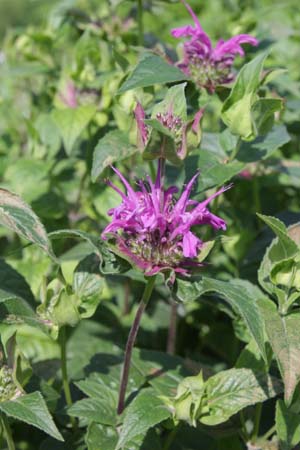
x,y
7,432
64,372
131,341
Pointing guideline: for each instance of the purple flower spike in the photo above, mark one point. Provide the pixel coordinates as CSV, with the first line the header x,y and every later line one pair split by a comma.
x,y
208,66
153,230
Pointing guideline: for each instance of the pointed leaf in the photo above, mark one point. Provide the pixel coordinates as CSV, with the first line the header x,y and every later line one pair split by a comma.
x,y
32,409
287,426
71,122
114,146
16,215
150,70
240,294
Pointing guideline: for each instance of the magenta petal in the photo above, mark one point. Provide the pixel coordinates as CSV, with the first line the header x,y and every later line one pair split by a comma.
x,y
190,245
233,46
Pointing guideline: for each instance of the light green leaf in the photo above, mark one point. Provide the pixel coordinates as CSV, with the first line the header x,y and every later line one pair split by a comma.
x,y
240,294
32,409
114,146
284,336
232,390
145,411
150,70
174,102
72,122
88,285
237,109
16,215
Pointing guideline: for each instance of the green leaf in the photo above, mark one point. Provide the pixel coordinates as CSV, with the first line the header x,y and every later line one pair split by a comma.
x,y
240,294
263,114
281,248
14,284
14,310
16,215
215,171
72,122
237,109
145,411
284,336
174,102
287,426
263,147
88,285
101,437
32,409
114,146
232,390
150,70
101,407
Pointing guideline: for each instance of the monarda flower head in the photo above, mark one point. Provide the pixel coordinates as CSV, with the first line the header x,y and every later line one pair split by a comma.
x,y
208,66
152,229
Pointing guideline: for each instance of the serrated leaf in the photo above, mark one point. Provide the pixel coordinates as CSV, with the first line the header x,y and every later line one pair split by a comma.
x,y
287,426
150,70
16,215
71,122
114,146
237,109
140,417
232,390
15,311
32,409
240,294
284,336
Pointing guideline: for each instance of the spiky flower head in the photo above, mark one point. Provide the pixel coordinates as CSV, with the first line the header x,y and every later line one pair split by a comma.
x,y
209,66
153,230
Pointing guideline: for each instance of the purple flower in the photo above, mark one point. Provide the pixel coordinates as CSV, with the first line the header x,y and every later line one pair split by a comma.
x,y
152,229
208,66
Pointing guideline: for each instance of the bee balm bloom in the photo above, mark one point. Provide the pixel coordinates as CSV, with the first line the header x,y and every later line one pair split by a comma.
x,y
153,230
209,66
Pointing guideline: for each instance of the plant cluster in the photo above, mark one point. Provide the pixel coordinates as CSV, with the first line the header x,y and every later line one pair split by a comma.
x,y
150,236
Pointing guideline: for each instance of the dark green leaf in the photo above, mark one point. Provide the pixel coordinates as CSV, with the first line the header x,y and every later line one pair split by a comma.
x,y
152,69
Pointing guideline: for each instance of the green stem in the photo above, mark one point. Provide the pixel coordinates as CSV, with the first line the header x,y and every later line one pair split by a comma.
x,y
244,433
256,198
131,341
140,22
64,371
170,438
257,417
269,433
7,432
